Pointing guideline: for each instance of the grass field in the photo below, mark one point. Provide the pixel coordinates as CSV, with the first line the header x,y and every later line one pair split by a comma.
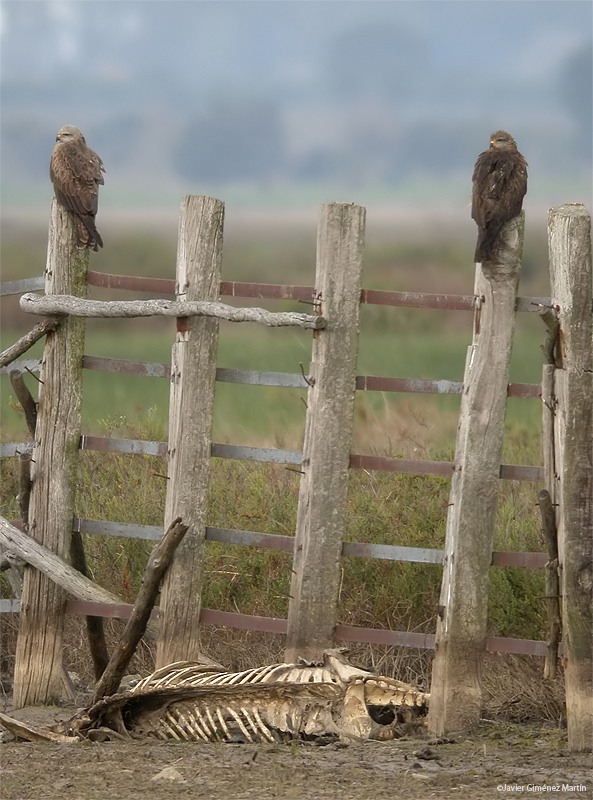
x,y
382,508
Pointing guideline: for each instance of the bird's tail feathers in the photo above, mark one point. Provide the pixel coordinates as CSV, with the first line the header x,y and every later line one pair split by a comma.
x,y
87,235
487,244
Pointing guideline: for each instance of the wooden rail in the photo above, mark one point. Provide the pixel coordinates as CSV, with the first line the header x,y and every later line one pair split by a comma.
x,y
67,305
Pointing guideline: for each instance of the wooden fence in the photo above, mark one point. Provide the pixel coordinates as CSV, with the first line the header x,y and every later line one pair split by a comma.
x,y
317,546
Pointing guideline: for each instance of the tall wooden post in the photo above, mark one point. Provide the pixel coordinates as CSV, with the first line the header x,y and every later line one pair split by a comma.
x,y
38,668
312,612
461,624
569,236
193,372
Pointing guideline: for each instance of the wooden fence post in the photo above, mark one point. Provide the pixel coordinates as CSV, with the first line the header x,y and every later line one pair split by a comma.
x,y
39,669
569,237
461,623
193,372
312,613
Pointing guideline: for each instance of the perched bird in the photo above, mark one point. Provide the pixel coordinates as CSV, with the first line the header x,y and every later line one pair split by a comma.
x,y
499,185
76,172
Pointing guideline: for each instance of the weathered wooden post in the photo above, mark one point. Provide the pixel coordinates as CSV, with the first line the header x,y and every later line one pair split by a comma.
x,y
38,668
193,372
312,613
461,624
569,237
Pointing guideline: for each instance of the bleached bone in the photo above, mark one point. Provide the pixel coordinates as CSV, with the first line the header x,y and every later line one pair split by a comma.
x,y
264,712
187,701
379,690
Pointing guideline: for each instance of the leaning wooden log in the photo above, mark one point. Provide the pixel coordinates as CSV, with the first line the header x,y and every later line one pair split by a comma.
x,y
158,562
23,731
12,565
51,565
28,340
552,582
79,307
9,561
94,625
549,316
25,398
24,494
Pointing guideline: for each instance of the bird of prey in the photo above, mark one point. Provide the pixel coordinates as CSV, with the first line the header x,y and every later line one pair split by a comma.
x,y
76,172
499,185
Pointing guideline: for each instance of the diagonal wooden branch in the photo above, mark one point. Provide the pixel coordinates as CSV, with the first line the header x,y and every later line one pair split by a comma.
x,y
94,625
23,731
25,398
552,582
549,316
79,307
156,567
24,494
28,340
35,554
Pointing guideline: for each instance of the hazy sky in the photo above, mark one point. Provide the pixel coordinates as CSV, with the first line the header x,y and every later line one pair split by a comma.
x,y
362,93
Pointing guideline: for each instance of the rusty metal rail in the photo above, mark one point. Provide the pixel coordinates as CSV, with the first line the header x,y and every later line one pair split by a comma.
x,y
384,552
275,625
293,380
271,291
273,455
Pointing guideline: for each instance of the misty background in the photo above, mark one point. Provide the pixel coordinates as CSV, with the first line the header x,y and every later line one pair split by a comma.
x,y
288,104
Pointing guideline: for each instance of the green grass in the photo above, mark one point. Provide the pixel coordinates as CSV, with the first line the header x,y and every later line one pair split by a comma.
x,y
383,508
259,410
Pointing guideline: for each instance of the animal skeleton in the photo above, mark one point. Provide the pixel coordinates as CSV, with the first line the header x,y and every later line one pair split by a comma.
x,y
187,701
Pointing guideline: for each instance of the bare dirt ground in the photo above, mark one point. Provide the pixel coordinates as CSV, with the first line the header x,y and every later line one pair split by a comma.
x,y
520,759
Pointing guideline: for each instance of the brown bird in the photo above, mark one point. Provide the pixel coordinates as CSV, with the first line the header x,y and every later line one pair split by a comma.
x,y
76,172
499,186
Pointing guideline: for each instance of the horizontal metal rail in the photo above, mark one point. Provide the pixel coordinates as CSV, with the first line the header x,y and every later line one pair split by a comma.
x,y
442,468
107,444
384,552
132,283
292,380
271,291
22,365
12,449
275,625
298,381
8,288
274,455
